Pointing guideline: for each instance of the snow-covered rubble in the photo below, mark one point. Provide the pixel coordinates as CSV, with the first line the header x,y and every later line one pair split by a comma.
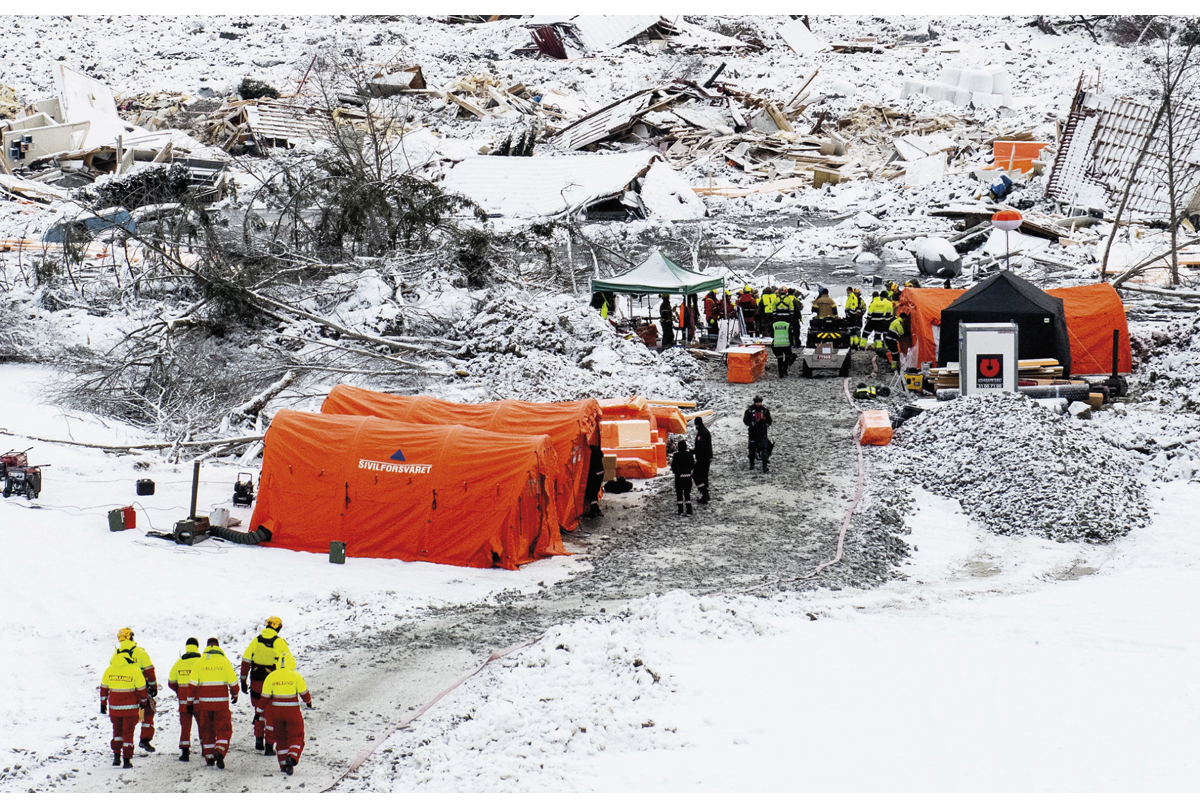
x,y
1018,467
557,348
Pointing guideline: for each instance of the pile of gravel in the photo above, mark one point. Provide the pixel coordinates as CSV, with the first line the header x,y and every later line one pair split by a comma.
x,y
558,348
1018,467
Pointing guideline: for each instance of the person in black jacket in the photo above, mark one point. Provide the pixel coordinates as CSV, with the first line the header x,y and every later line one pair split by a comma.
x,y
682,464
704,455
757,419
666,316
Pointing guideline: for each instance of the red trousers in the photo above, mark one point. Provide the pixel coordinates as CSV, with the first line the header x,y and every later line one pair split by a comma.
x,y
148,720
261,730
287,725
185,728
214,725
124,726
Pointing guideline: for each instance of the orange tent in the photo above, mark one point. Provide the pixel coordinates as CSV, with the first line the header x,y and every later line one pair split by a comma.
x,y
924,310
1093,312
445,494
572,426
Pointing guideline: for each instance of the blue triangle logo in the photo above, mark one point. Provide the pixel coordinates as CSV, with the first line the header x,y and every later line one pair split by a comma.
x,y
399,455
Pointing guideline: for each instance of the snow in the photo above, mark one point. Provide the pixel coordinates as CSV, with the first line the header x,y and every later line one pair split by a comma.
x,y
69,583
1000,664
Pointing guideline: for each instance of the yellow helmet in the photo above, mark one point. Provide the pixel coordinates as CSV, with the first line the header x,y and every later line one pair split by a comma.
x,y
287,662
124,634
746,288
274,623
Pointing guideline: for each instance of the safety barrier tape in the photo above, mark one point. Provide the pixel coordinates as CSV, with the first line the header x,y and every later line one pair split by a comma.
x,y
366,753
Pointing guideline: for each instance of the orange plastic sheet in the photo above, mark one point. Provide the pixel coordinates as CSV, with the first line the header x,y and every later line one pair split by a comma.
x,y
747,364
572,426
1015,155
634,468
670,417
444,494
875,428
631,407
1093,312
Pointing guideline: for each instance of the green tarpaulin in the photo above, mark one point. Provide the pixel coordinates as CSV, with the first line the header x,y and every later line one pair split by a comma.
x,y
658,275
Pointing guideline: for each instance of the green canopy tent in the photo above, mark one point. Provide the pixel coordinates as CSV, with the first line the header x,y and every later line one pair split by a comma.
x,y
658,275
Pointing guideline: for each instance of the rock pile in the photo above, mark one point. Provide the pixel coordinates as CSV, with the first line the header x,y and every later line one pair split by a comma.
x,y
1019,468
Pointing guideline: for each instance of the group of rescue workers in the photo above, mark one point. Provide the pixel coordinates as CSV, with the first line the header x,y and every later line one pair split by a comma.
x,y
206,686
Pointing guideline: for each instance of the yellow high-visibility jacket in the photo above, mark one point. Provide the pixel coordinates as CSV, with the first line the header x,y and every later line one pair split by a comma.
x,y
286,688
139,656
212,678
262,654
123,687
181,672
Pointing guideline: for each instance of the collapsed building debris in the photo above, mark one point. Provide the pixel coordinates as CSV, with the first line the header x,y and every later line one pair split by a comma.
x,y
615,186
577,35
1099,157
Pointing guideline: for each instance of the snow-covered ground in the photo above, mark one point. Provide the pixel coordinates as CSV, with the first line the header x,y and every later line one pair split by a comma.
x,y
1000,664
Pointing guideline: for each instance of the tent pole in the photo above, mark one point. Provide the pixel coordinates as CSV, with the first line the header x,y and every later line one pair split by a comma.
x,y
1007,254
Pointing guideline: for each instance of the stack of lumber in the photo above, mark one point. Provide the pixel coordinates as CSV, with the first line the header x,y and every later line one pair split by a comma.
x,y
1029,371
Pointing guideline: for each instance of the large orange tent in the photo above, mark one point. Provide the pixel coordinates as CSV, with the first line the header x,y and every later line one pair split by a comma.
x,y
1092,313
573,428
444,494
924,310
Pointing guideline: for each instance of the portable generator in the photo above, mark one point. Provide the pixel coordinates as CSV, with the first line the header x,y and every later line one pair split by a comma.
x,y
23,481
11,459
243,489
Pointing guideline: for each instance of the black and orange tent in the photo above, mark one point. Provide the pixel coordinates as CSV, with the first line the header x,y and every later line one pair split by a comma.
x,y
444,494
1091,314
572,426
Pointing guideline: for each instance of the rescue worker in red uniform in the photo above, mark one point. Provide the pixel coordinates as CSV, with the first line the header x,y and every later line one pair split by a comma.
x,y
258,660
282,691
178,681
122,693
126,645
212,681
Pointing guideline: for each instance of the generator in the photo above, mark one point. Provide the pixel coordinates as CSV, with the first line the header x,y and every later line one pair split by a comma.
x,y
22,481
243,489
12,458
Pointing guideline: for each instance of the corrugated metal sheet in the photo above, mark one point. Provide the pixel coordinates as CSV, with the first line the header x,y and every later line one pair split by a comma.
x,y
1100,147
604,121
278,123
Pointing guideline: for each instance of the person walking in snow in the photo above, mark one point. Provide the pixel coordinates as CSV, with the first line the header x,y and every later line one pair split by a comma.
x,y
123,693
704,454
178,681
258,660
211,682
283,690
757,418
126,645
682,465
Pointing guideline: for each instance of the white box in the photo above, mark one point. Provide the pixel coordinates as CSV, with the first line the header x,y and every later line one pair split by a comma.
x,y
987,358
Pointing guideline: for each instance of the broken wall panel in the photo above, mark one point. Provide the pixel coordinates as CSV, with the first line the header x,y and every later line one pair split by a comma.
x,y
1099,150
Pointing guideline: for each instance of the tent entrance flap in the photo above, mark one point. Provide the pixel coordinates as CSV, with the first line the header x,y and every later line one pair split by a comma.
x,y
658,275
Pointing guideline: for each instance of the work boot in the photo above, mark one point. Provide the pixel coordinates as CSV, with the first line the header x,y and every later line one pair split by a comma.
x,y
594,513
268,750
116,758
258,744
681,509
290,766
765,469
689,509
145,744
704,500
128,763
220,761
209,761
185,755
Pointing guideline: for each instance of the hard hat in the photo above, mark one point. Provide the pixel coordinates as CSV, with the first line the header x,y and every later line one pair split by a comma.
x,y
908,284
275,623
124,634
746,288
287,662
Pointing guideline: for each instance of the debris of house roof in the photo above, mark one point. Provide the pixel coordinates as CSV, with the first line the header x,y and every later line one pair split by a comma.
x,y
581,34
606,121
800,39
555,186
1099,149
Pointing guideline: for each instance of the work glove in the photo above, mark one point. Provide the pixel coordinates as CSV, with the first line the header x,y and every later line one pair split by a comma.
x,y
245,687
153,690
103,708
233,699
310,706
191,709
145,705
